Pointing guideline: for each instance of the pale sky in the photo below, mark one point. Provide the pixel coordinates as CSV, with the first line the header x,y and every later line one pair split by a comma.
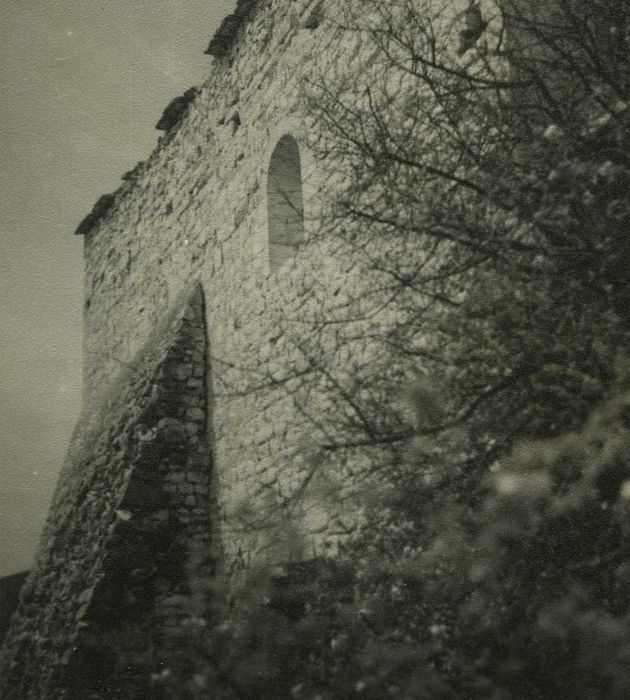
x,y
82,85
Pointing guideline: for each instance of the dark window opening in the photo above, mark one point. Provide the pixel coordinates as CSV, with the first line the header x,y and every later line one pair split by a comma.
x,y
284,201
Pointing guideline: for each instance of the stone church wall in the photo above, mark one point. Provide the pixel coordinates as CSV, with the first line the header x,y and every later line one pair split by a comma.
x,y
178,261
132,509
198,210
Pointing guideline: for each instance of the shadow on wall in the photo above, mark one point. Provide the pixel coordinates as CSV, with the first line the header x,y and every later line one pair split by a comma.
x,y
9,596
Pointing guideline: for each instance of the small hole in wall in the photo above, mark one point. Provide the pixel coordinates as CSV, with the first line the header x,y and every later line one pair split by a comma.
x,y
315,18
235,121
141,309
88,303
474,27
199,151
313,23
169,209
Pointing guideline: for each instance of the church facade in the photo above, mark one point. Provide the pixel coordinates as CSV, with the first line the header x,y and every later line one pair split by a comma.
x,y
194,454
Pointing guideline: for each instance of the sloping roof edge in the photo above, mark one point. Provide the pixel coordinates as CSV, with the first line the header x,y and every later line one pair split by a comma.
x,y
176,110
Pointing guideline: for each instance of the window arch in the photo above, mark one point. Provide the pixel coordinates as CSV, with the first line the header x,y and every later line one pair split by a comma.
x,y
285,207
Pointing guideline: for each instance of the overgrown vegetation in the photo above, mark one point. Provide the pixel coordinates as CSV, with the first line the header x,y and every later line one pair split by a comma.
x,y
526,596
486,170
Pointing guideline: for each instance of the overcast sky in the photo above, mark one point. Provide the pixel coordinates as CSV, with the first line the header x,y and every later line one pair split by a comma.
x,y
83,83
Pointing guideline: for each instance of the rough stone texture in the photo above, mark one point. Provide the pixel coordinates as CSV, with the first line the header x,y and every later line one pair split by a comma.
x,y
131,510
134,521
175,110
198,209
225,35
98,212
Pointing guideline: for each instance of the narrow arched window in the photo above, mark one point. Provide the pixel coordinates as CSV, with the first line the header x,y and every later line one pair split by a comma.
x,y
284,202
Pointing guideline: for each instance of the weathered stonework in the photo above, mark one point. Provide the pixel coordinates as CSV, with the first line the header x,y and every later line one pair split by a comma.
x,y
197,209
131,510
193,447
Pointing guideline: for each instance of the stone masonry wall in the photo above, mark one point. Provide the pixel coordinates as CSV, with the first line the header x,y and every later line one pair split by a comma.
x,y
111,586
197,209
198,353
194,355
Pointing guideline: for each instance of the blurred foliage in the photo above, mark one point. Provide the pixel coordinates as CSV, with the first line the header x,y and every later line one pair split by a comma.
x,y
526,596
485,199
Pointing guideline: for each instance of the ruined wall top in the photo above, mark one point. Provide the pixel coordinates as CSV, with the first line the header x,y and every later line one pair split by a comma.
x,y
224,47
227,32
